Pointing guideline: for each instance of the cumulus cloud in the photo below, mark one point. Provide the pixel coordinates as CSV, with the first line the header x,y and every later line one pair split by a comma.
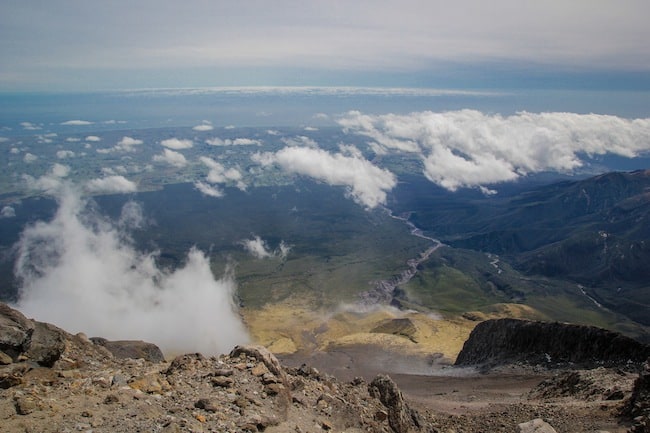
x,y
29,158
176,143
80,272
62,154
96,138
72,139
111,184
29,126
204,126
219,174
233,142
207,189
172,158
77,123
259,248
310,129
126,144
469,149
3,139
7,212
51,182
366,183
14,151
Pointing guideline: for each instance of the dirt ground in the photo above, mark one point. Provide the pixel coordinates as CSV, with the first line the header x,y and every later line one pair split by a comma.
x,y
465,399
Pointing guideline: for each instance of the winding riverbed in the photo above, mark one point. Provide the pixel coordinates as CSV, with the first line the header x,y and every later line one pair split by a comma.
x,y
383,291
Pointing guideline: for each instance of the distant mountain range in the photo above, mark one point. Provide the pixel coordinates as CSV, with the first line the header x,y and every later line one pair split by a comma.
x,y
594,232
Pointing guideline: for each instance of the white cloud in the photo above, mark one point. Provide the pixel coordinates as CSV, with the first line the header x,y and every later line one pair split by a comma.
x,y
7,212
78,272
172,158
77,123
29,126
62,154
50,182
111,184
367,183
219,174
3,139
310,129
300,140
29,158
469,149
205,125
96,138
272,132
176,143
72,139
126,144
207,189
14,151
233,142
258,248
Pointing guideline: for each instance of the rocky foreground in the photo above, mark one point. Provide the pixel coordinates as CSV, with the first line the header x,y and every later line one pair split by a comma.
x,y
52,381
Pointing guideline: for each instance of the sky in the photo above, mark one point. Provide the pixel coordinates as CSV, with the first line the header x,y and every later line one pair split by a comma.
x,y
97,45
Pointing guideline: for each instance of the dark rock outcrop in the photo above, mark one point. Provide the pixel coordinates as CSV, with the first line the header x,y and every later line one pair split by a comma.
x,y
505,341
401,417
638,406
131,349
35,341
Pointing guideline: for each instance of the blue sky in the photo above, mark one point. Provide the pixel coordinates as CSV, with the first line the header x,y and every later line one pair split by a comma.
x,y
99,45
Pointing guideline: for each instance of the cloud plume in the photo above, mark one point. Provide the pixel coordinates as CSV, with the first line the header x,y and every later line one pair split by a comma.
x,y
81,272
366,183
469,148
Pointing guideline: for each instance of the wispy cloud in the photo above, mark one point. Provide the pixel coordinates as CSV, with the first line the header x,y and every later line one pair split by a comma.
x,y
94,138
216,141
29,158
366,183
468,148
76,122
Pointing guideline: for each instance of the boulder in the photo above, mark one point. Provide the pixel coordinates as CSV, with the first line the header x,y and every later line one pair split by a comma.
x,y
537,425
401,417
131,349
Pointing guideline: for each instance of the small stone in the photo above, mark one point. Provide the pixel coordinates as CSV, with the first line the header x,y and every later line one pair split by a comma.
x,y
25,405
537,425
326,425
381,415
207,404
200,418
5,359
259,370
111,398
274,388
227,372
222,381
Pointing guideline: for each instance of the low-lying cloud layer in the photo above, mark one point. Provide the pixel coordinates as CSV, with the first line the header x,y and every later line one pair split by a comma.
x,y
81,272
366,183
469,149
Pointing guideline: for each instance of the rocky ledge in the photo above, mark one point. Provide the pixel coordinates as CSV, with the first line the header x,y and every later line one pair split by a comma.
x,y
507,341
